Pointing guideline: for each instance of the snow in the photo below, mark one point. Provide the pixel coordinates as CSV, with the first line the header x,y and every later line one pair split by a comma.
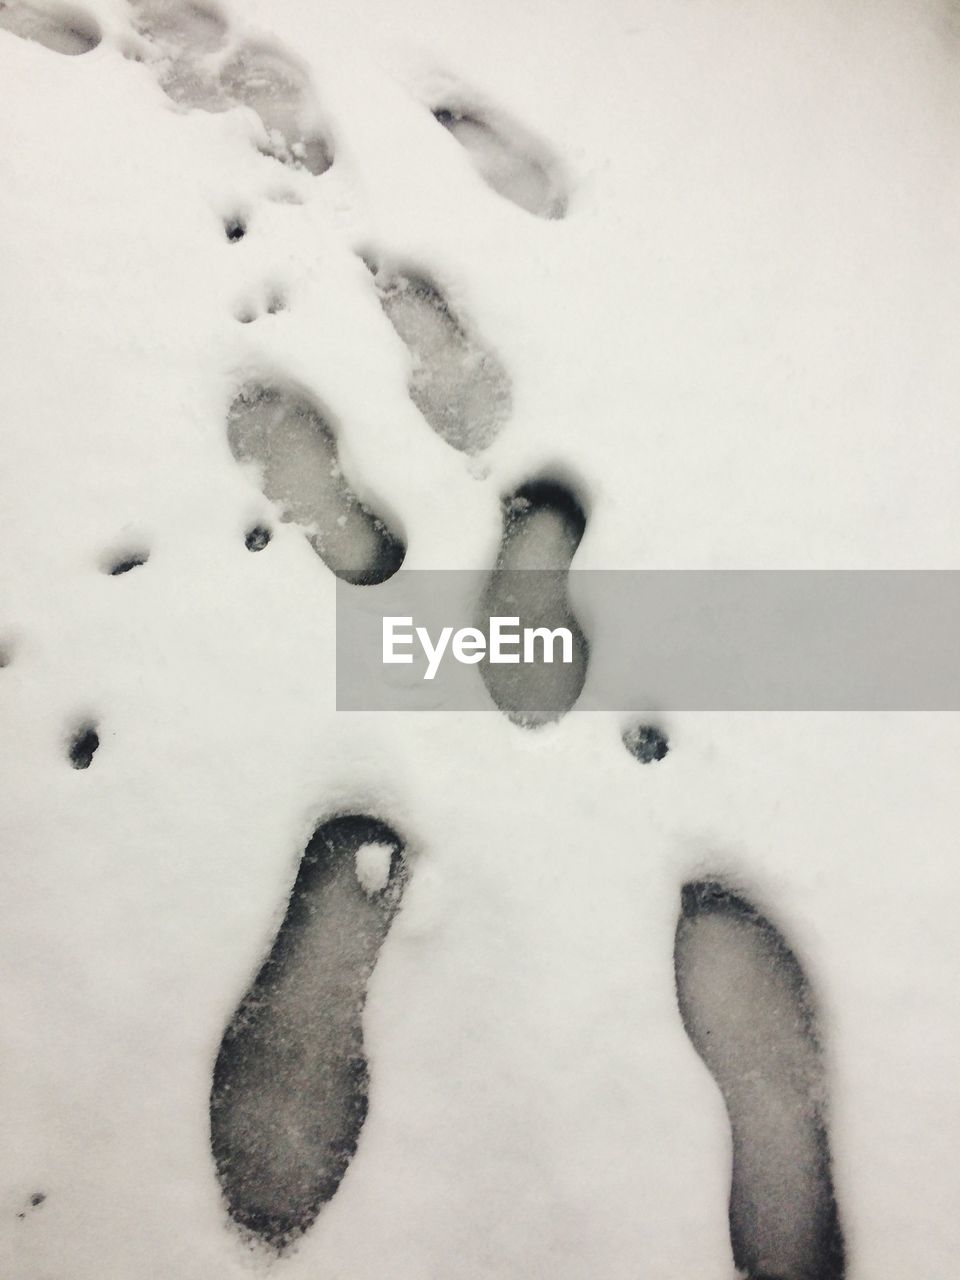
x,y
735,347
373,866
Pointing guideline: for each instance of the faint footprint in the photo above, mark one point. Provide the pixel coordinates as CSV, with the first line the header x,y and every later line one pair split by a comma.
x,y
279,92
543,524
460,387
746,1006
510,160
180,24
254,75
62,29
289,1094
281,432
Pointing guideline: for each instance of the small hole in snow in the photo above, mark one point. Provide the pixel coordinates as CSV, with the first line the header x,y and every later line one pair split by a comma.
x,y
276,303
646,743
37,1198
83,746
257,538
373,866
235,229
246,317
126,563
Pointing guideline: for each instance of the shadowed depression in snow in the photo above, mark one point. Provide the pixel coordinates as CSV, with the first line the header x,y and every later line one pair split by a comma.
x,y
289,1094
746,1006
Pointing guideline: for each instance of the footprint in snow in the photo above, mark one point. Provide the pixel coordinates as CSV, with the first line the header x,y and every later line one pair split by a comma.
x,y
258,76
275,88
290,1085
746,1006
508,158
180,25
543,524
60,28
458,385
281,433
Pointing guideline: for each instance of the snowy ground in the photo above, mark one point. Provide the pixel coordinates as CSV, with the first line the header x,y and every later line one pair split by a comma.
x,y
718,302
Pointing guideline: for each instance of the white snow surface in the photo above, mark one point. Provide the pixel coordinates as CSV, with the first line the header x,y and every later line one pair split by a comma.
x,y
740,344
373,866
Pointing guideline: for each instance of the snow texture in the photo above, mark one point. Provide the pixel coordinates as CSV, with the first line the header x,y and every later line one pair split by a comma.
x,y
682,282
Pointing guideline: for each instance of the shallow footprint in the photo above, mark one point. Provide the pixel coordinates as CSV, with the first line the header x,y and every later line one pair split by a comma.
x,y
282,433
63,30
509,159
180,24
290,1084
279,92
746,1006
460,388
543,524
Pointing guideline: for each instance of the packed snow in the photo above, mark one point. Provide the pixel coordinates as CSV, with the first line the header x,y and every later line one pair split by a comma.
x,y
667,997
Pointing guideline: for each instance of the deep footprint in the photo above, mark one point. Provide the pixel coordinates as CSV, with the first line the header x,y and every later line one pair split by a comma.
x,y
460,387
509,160
543,526
285,436
279,92
746,1006
290,1084
64,30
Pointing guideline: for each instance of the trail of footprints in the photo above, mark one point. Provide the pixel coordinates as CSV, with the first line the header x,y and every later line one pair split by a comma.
x,y
289,1092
